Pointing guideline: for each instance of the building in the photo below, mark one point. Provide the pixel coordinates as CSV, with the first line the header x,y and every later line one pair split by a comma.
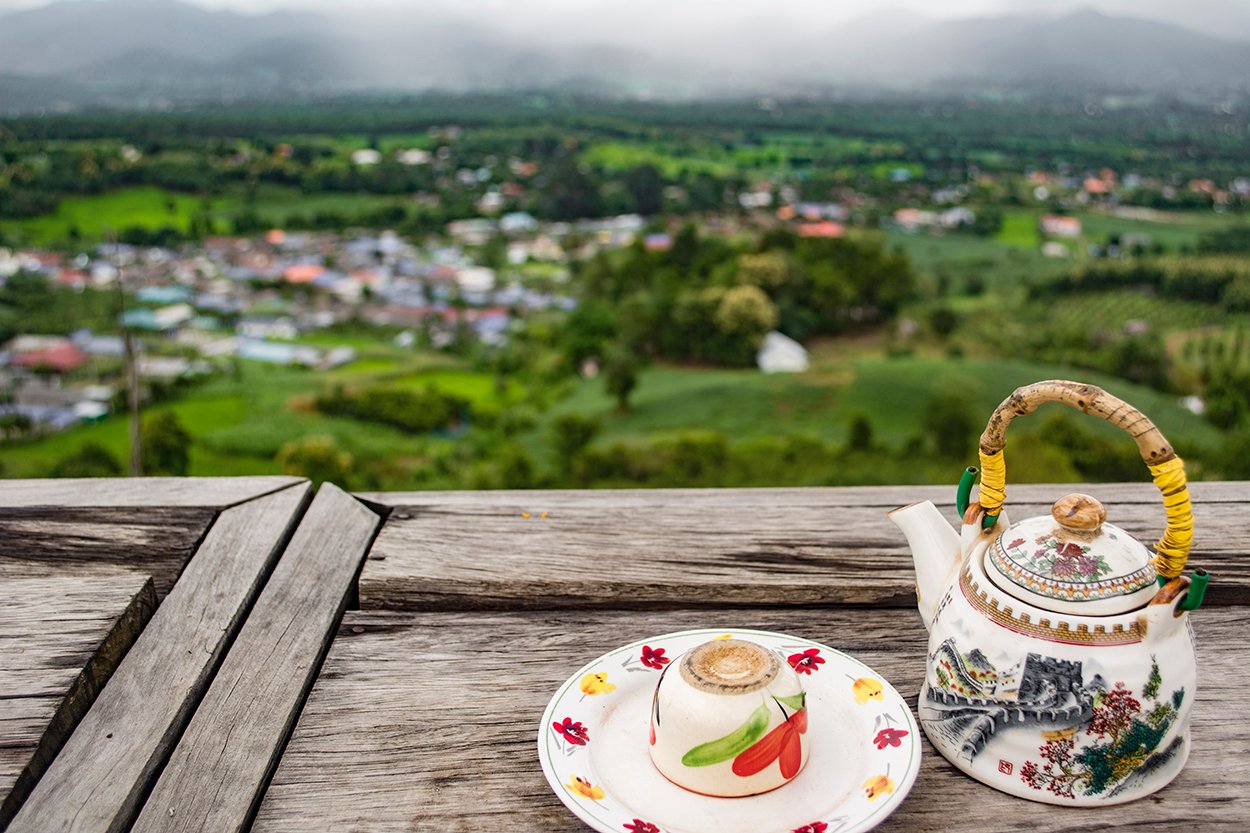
x,y
781,354
1055,225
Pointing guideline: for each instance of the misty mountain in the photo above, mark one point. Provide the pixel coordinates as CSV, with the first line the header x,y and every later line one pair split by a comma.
x,y
1087,49
146,52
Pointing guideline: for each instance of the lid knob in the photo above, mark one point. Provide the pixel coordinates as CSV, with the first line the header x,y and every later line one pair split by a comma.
x,y
1079,513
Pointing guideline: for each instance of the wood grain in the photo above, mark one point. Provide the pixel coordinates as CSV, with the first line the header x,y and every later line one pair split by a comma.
x,y
215,776
112,757
688,548
426,722
61,638
214,492
154,541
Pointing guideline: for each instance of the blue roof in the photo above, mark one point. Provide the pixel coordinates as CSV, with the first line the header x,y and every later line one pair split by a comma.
x,y
163,294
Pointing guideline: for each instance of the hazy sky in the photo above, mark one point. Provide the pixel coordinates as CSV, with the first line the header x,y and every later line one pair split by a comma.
x,y
798,10
628,20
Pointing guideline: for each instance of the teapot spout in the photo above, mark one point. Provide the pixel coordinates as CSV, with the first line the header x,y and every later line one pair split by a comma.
x,y
935,549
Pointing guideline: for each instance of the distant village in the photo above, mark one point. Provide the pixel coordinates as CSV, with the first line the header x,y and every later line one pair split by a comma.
x,y
193,307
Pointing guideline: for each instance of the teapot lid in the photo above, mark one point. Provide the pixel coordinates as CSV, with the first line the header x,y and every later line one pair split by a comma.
x,y
1073,562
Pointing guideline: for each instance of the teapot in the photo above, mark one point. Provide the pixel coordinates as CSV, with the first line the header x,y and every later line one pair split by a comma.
x,y
1061,662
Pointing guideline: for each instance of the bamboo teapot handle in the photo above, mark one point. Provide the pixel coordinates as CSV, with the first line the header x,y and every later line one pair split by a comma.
x,y
1166,468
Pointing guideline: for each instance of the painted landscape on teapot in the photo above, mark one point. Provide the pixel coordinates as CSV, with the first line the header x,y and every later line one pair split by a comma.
x,y
1096,738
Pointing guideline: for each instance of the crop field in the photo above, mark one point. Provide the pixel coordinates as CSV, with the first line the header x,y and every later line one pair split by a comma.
x,y
94,217
894,393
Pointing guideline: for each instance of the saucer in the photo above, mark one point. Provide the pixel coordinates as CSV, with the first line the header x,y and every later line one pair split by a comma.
x,y
592,742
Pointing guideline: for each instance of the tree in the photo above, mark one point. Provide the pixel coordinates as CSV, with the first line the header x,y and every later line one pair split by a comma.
x,y
620,372
570,435
944,320
951,425
571,193
859,438
165,445
988,221
91,460
317,458
646,186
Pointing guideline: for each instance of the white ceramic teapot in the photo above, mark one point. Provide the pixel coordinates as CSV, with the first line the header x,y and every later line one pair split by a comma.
x,y
1059,669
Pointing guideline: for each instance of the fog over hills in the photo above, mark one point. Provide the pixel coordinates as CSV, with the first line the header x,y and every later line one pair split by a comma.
x,y
144,53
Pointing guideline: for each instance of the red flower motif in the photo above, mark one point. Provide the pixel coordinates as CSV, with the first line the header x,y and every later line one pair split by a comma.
x,y
1071,550
813,827
1015,543
806,662
889,737
574,733
781,744
654,657
640,826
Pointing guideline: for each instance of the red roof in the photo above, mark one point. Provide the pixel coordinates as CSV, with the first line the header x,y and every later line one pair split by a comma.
x,y
61,357
828,228
303,272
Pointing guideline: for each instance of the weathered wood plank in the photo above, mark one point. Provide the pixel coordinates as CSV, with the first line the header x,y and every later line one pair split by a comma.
x,y
61,638
153,541
112,757
680,548
426,721
215,776
215,492
886,497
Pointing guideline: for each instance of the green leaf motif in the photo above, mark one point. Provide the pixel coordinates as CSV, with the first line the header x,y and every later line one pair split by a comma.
x,y
732,744
794,702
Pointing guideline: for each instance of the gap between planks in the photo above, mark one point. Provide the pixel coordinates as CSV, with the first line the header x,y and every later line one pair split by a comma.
x,y
96,783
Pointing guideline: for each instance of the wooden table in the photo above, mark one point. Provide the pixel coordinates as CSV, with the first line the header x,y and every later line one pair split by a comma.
x,y
228,655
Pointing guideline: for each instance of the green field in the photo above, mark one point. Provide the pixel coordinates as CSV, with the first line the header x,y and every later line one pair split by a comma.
x,y
1020,229
239,424
96,216
1172,231
619,156
893,392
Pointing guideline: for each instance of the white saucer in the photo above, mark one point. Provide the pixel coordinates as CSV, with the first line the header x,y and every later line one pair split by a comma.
x,y
865,746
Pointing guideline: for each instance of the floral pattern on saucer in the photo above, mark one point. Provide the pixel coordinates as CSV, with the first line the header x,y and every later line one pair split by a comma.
x,y
576,712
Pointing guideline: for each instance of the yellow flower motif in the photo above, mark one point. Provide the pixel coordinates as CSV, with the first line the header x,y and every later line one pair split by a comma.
x,y
723,636
878,785
596,684
865,689
584,788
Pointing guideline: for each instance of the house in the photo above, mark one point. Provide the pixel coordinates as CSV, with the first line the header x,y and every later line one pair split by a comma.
x,y
825,228
98,345
413,156
518,222
257,328
273,352
475,279
660,242
1054,225
914,219
163,367
163,320
781,354
49,353
163,294
301,273
366,157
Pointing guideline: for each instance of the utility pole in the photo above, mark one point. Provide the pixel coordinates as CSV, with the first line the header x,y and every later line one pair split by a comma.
x,y
131,369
